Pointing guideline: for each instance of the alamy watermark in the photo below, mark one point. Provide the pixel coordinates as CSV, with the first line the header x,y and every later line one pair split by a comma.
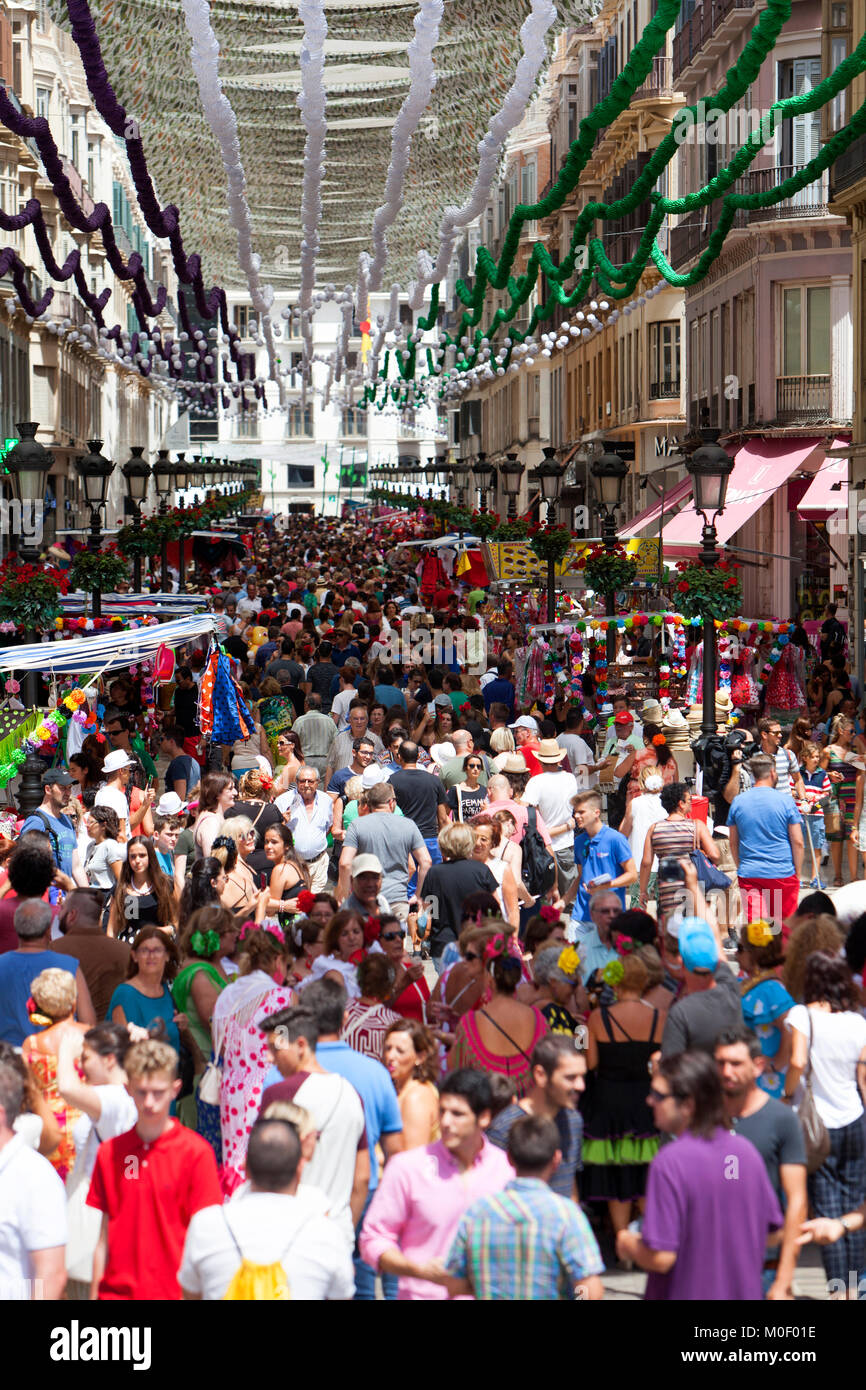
x,y
434,646
22,519
709,125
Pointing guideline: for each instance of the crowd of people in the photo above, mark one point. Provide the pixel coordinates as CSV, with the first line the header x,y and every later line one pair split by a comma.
x,y
426,989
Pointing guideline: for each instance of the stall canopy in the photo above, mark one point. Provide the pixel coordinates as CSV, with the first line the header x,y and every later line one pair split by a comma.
x,y
828,491
651,516
761,467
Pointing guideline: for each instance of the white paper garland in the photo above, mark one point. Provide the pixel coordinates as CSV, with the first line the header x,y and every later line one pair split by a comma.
x,y
311,103
533,35
222,121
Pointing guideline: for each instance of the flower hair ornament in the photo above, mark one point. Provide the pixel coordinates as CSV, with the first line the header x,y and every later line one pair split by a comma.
x,y
760,934
501,946
568,961
623,945
305,901
613,972
372,930
659,740
250,929
653,783
205,944
547,913
39,1020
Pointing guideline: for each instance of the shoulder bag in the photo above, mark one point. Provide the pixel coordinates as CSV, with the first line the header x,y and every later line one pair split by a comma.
x,y
710,878
815,1132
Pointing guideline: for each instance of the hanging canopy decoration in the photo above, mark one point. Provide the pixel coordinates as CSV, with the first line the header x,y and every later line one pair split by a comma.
x,y
111,650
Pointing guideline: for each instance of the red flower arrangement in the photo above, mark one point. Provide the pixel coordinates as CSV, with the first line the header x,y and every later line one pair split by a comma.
x,y
305,900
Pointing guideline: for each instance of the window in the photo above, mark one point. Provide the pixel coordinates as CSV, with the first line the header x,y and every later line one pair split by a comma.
x,y
243,314
801,136
91,165
805,330
664,363
353,421
533,403
43,101
299,422
528,194
835,48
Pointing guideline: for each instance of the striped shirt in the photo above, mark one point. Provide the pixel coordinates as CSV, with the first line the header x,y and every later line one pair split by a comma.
x,y
524,1243
786,768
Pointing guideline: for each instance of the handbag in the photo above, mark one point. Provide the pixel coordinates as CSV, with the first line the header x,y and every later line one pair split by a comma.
x,y
815,1132
209,1085
710,878
832,817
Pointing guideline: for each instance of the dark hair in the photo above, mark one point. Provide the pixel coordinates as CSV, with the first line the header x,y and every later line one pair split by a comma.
x,y
506,972
333,928
477,905
228,855
538,930
736,1037
550,1050
327,1000
175,733
108,1040
273,1154
408,751
213,784
295,1022
517,781
661,750
855,945
828,980
766,957
163,889
107,818
694,1076
502,1092
198,890
533,1142
471,1086
31,866
640,926
209,918
376,976
672,795
815,904
427,1068
152,933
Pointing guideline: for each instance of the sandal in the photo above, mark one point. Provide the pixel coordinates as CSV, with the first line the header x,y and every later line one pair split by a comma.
x,y
837,883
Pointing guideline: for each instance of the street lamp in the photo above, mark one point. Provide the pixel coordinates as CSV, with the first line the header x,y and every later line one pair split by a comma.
x,y
548,475
511,472
137,474
709,467
182,473
94,470
609,472
163,477
29,463
483,474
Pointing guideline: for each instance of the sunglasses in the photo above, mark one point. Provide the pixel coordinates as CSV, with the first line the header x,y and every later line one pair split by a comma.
x,y
392,935
470,955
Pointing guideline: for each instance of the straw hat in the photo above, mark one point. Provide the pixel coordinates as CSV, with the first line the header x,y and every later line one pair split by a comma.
x,y
651,712
549,751
724,704
515,763
694,717
676,730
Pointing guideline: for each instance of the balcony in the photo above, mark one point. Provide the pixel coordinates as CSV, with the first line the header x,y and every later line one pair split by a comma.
x,y
665,390
691,235
622,246
850,168
811,201
715,19
659,81
802,400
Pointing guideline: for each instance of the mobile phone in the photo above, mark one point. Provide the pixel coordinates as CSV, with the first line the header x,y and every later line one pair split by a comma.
x,y
670,870
263,881
601,878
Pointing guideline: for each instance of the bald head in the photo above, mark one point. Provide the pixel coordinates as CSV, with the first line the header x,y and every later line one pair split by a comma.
x,y
462,741
498,788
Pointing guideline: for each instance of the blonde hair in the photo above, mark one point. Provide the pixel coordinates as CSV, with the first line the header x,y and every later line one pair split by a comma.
x,y
810,750
651,770
457,841
252,786
354,788
55,992
502,741
635,975
652,963
293,1114
149,1057
235,828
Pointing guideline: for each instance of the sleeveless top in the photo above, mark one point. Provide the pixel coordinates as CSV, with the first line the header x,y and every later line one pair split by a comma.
x,y
675,839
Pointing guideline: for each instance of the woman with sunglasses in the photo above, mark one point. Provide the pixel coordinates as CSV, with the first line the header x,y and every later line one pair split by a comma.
x,y
289,755
411,992
468,798
461,985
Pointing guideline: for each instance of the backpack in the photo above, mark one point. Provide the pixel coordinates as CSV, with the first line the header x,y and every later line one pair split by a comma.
x,y
254,1283
539,866
52,834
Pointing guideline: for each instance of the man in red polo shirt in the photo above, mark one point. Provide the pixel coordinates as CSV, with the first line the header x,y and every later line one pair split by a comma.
x,y
149,1184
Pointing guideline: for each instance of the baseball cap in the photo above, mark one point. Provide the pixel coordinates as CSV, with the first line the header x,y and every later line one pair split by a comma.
x,y
366,864
57,776
698,947
623,717
443,700
525,721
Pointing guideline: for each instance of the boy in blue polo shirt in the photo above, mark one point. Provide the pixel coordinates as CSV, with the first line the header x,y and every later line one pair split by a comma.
x,y
599,853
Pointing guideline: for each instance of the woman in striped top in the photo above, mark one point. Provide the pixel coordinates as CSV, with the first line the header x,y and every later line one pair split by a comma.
x,y
674,838
838,759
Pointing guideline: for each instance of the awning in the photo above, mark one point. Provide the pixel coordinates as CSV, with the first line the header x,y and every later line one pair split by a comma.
x,y
678,493
828,491
761,467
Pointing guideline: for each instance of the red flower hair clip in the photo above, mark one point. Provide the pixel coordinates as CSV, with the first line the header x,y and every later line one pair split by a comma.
x,y
547,913
372,930
305,900
623,945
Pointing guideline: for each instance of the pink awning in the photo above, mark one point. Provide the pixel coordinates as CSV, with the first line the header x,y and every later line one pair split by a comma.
x,y
828,492
650,517
760,468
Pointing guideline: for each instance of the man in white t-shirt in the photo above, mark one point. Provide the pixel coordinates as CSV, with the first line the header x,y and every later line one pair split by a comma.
x,y
33,1228
552,792
249,603
340,1166
268,1223
116,769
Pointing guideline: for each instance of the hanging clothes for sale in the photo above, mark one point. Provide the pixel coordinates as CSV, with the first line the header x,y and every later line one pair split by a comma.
x,y
432,576
223,713
744,688
784,688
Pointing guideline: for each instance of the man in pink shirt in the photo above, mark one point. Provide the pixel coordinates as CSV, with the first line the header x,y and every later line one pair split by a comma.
x,y
499,798
424,1192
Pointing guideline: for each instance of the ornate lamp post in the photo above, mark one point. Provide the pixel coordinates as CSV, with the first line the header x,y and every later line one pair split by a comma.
x,y
29,463
710,467
163,476
511,472
483,475
94,470
609,472
548,475
137,474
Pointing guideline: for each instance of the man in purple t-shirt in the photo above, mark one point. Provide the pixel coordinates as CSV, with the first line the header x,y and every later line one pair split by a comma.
x,y
709,1203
